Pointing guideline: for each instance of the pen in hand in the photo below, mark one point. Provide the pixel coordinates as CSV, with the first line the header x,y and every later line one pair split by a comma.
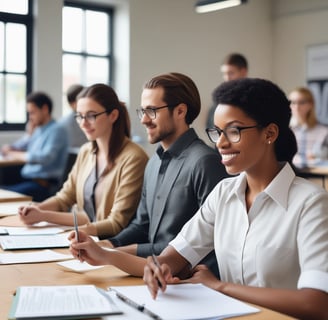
x,y
76,226
157,264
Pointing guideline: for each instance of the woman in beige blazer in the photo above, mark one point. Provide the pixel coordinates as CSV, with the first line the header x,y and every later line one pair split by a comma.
x,y
106,179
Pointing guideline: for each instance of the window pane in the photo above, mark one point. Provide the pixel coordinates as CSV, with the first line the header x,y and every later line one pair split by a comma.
x,y
15,47
15,99
97,32
72,69
97,70
72,29
14,6
2,46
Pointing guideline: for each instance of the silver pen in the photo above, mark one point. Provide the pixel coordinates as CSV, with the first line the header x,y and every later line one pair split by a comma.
x,y
137,306
158,265
74,209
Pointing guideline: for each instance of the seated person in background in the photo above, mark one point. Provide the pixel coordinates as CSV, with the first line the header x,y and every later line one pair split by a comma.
x,y
311,136
234,66
76,137
106,179
46,153
178,177
21,143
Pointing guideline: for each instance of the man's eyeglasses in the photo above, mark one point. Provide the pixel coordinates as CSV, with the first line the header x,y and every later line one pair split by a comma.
x,y
231,133
150,112
89,117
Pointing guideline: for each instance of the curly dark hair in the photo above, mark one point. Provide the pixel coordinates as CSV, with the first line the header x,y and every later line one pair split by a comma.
x,y
264,102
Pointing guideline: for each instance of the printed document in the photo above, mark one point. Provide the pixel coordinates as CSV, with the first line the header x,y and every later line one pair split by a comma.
x,y
62,302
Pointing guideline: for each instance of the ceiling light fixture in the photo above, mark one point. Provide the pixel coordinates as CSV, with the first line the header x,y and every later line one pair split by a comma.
x,y
203,6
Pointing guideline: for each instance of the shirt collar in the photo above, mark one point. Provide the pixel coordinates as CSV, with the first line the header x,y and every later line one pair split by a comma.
x,y
277,189
179,145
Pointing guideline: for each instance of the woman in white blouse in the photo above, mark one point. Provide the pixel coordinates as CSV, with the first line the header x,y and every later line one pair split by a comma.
x,y
269,228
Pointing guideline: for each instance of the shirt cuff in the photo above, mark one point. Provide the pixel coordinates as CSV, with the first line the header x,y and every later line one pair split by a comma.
x,y
183,248
313,279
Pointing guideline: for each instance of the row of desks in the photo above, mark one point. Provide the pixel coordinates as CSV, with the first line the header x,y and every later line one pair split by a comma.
x,y
50,273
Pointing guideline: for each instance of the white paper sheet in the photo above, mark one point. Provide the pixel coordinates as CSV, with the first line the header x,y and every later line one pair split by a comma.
x,y
17,231
78,266
187,302
33,257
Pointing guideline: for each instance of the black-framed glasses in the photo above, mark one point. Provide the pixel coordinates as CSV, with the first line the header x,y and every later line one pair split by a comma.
x,y
150,112
231,133
89,117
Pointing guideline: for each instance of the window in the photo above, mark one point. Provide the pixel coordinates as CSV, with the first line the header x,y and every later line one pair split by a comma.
x,y
15,62
87,45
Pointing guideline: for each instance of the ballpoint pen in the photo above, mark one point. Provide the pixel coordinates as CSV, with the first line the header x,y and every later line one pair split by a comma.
x,y
158,265
137,306
74,209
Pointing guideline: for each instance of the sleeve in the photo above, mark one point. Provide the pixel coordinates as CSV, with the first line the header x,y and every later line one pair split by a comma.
x,y
312,243
56,141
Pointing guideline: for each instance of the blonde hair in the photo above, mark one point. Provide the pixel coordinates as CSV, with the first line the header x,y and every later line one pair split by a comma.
x,y
311,118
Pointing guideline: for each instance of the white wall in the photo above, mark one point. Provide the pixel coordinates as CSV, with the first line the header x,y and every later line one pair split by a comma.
x,y
156,36
297,24
167,35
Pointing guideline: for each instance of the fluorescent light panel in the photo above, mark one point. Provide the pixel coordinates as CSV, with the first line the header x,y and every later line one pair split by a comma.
x,y
208,6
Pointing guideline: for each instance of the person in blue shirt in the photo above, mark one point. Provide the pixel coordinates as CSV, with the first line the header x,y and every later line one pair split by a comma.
x,y
46,155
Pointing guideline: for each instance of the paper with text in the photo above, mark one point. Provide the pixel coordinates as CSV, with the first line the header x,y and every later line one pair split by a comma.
x,y
61,301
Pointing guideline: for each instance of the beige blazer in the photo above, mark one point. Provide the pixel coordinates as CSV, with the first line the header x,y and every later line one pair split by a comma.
x,y
121,187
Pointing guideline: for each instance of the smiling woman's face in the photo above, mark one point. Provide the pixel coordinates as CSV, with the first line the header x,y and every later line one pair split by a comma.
x,y
248,152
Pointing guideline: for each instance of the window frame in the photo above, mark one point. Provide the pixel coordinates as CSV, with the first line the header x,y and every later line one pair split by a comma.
x,y
109,10
27,21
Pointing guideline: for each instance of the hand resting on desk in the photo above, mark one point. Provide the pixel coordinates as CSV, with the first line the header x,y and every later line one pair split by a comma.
x,y
30,214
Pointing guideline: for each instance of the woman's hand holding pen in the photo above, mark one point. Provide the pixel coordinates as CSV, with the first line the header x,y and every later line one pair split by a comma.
x,y
157,276
86,249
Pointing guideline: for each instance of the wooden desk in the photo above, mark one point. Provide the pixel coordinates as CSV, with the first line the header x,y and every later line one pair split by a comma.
x,y
15,275
6,162
316,174
7,196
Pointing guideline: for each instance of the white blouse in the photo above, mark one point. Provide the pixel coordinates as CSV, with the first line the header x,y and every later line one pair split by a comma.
x,y
282,242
